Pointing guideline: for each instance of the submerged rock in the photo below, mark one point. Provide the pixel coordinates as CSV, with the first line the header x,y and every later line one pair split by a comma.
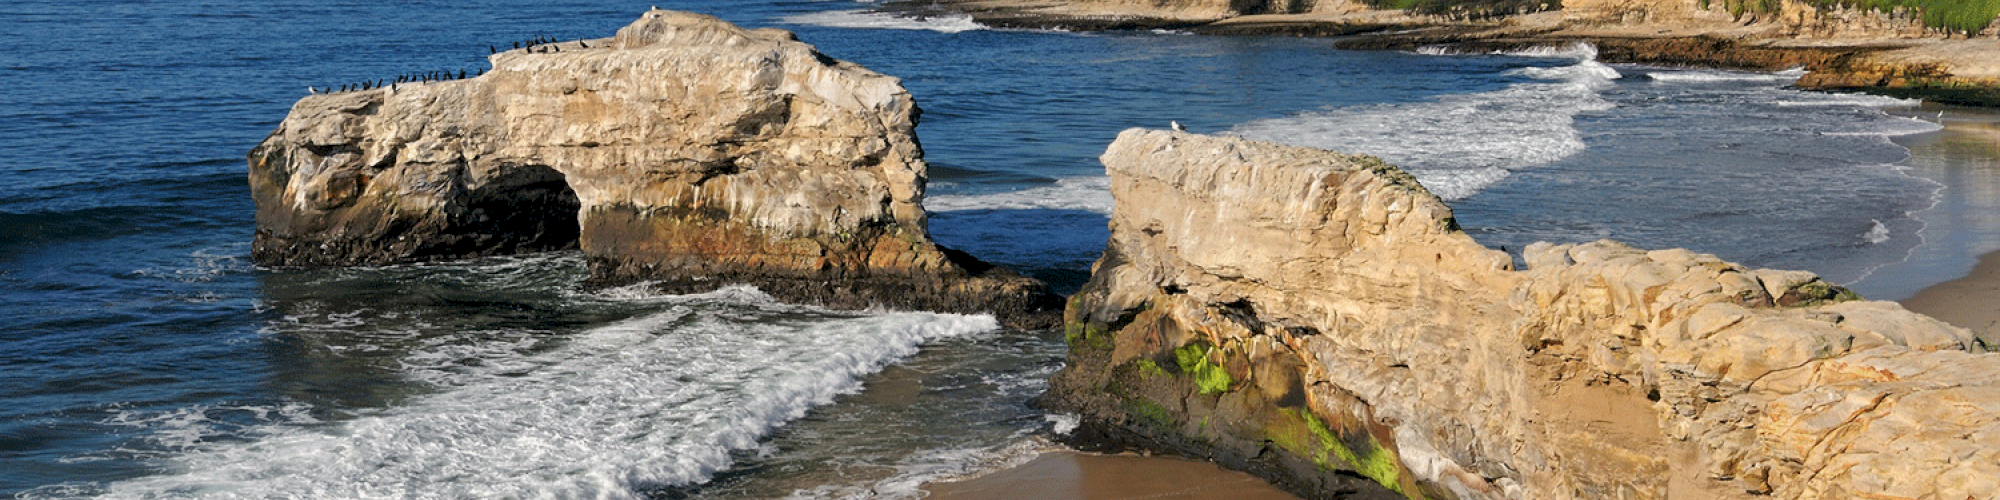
x,y
684,151
1317,317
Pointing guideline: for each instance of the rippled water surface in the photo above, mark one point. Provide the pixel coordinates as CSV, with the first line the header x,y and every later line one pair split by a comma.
x,y
142,355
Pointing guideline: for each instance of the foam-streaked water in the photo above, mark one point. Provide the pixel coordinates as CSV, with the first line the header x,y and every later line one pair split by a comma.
x,y
145,357
656,400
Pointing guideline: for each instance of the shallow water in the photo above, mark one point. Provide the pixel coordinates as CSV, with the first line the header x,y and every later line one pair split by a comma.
x,y
145,356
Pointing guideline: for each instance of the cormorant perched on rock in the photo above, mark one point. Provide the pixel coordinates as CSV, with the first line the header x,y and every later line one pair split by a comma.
x,y
343,87
517,45
580,44
490,50
367,85
555,48
461,74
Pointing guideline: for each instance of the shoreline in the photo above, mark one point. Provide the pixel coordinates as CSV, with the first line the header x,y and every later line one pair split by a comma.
x,y
1961,71
1965,158
1076,475
1966,302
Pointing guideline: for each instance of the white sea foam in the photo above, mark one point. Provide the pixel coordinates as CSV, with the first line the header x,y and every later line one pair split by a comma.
x,y
1578,51
652,401
1717,76
1458,145
923,467
1077,193
1847,101
1877,234
881,20
1063,423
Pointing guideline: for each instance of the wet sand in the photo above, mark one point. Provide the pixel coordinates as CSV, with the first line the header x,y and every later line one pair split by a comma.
x,y
1964,159
1083,476
1972,302
1962,232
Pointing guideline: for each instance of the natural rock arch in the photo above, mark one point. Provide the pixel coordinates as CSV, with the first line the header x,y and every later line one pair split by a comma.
x,y
694,154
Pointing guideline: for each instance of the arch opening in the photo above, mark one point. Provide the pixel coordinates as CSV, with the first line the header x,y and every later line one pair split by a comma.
x,y
527,209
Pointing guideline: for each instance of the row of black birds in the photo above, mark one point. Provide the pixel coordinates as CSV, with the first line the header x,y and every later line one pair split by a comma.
x,y
434,76
539,44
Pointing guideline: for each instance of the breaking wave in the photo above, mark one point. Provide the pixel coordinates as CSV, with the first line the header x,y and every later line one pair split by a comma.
x,y
655,401
1459,145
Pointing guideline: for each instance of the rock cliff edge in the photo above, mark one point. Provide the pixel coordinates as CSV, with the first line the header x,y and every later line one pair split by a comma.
x,y
684,151
1319,318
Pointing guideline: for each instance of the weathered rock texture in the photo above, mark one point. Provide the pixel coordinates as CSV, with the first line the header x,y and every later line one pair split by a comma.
x,y
684,151
1317,316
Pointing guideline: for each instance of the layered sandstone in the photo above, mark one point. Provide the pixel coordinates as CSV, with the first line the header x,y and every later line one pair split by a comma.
x,y
684,151
1316,316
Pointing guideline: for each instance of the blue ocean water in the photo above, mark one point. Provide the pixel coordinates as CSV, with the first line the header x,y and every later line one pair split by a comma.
x,y
142,355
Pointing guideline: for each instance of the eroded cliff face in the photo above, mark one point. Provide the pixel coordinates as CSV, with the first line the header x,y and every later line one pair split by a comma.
x,y
684,151
1315,316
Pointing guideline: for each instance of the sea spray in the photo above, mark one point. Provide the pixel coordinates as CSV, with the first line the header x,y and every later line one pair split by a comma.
x,y
1458,145
653,401
864,19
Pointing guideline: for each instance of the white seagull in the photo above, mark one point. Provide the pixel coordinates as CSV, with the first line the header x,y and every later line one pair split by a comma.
x,y
1176,126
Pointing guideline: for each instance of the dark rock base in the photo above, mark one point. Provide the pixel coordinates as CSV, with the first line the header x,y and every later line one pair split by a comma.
x,y
1017,301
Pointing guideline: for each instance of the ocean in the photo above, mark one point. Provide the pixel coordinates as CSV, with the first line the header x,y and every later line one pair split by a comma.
x,y
142,355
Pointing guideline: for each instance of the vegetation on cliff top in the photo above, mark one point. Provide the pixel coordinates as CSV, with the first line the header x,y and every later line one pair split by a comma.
x,y
1951,16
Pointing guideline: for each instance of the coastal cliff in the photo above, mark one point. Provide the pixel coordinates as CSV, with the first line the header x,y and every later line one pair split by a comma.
x,y
684,151
1318,317
1943,51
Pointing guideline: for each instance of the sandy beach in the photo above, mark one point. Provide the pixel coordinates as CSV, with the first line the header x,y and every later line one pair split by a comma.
x,y
1084,476
1968,302
1962,232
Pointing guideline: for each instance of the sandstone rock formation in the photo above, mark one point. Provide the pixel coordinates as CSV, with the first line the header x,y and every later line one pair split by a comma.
x,y
1314,316
684,151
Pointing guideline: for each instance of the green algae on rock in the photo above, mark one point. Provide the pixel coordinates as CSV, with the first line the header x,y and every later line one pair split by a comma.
x,y
1298,314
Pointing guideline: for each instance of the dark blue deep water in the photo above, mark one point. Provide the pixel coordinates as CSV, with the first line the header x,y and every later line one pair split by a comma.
x,y
142,355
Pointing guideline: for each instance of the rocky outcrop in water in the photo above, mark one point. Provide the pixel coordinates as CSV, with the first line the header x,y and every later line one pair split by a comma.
x,y
1315,317
683,151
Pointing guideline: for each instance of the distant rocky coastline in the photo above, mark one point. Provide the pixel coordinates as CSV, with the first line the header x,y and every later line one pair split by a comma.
x,y
1901,52
684,152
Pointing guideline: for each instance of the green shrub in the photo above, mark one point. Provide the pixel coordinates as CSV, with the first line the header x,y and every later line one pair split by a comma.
x,y
1951,16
